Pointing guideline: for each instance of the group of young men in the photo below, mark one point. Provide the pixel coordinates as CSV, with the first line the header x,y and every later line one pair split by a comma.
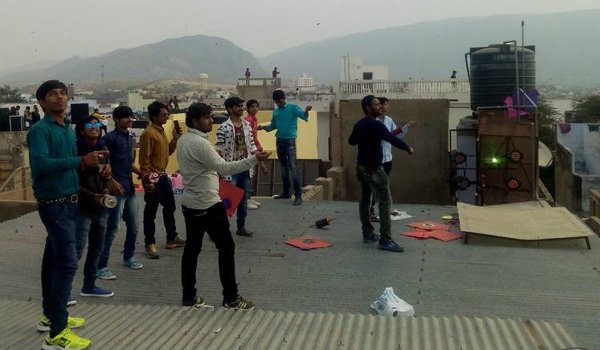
x,y
84,186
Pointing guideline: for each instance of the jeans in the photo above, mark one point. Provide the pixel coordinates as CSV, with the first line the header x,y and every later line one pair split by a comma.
x,y
286,153
59,262
163,195
213,221
387,167
243,181
91,228
374,181
127,209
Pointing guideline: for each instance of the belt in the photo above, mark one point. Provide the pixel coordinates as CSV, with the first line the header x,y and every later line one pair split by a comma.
x,y
67,199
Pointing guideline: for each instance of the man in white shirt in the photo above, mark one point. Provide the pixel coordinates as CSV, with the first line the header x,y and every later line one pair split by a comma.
x,y
203,210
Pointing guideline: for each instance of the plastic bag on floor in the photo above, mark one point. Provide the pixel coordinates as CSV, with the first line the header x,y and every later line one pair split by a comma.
x,y
390,304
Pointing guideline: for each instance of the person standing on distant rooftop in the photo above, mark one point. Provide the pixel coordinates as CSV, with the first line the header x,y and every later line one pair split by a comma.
x,y
285,120
54,163
367,134
247,73
275,73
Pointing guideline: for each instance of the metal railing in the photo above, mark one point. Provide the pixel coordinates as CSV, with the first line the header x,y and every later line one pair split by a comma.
x,y
413,87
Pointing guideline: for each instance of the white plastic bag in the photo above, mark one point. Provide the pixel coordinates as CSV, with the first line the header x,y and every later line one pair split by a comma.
x,y
390,304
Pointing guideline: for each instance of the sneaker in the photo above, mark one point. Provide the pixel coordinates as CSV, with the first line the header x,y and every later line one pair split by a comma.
x,y
298,201
152,251
282,196
133,263
71,301
72,322
254,202
197,303
374,218
96,292
239,304
243,232
391,246
252,206
175,243
65,340
373,237
105,274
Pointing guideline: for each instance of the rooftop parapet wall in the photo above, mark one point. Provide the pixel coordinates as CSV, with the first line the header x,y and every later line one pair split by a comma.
x,y
412,89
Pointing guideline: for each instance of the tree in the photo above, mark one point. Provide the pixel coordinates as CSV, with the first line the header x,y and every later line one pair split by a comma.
x,y
547,116
8,95
587,110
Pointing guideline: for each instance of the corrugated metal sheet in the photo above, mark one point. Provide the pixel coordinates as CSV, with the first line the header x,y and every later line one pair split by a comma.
x,y
174,328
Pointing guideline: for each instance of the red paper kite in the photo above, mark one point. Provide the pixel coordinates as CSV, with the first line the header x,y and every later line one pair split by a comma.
x,y
308,243
441,235
231,196
428,225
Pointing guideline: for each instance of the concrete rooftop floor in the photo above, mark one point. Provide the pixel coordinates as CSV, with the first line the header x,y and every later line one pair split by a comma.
x,y
554,281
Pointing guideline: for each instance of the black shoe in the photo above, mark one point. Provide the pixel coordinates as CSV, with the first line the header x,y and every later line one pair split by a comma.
x,y
298,201
197,303
373,237
243,232
239,304
390,246
282,196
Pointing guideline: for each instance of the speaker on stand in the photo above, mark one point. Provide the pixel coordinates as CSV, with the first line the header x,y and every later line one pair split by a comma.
x,y
79,111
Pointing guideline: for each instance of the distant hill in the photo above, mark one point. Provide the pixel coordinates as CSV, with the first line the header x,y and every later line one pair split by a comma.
x,y
181,58
566,48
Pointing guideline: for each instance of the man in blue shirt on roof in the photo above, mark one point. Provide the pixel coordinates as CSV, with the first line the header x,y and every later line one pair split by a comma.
x,y
54,163
285,120
367,134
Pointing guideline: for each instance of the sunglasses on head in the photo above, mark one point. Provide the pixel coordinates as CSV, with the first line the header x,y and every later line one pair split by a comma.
x,y
93,125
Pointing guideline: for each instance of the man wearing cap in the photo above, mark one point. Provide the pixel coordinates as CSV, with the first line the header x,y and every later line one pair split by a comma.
x,y
236,142
54,163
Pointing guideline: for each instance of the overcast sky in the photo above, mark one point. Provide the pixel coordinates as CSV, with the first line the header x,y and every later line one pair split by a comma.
x,y
34,30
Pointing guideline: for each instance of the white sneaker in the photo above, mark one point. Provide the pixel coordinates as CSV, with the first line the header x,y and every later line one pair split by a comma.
x,y
254,202
252,206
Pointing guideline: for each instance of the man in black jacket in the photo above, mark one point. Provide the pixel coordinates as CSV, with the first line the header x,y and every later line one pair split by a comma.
x,y
367,134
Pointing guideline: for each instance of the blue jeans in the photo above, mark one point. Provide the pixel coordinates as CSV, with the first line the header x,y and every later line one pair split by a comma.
x,y
127,209
59,262
286,153
91,227
163,195
374,181
243,181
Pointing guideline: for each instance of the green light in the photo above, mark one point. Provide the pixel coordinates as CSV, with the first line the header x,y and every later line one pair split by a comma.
x,y
495,160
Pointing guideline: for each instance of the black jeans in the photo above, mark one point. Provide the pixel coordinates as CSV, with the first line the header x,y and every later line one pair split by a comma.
x,y
286,153
213,221
163,195
374,181
387,168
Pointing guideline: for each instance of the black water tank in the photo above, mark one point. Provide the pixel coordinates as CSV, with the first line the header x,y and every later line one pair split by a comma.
x,y
493,73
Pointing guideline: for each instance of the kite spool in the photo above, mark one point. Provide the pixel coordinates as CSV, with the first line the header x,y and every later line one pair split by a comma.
x,y
322,222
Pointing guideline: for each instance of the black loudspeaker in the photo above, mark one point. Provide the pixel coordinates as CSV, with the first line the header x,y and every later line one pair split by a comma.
x,y
78,111
4,113
16,123
139,124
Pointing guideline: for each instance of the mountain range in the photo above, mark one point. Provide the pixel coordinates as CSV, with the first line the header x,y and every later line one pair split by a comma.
x,y
566,53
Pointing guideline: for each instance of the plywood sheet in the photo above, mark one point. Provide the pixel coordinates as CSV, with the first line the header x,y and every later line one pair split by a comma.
x,y
522,221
